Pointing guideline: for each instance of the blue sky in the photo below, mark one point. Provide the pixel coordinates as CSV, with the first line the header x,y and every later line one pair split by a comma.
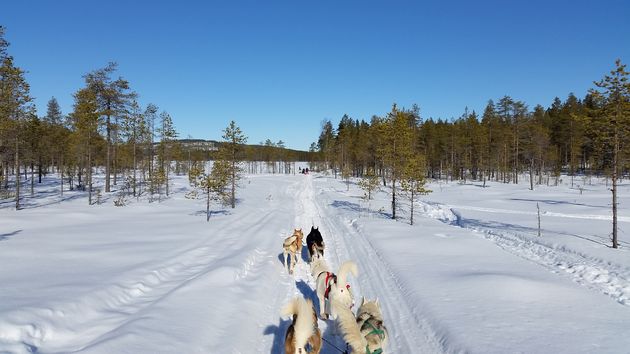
x,y
278,68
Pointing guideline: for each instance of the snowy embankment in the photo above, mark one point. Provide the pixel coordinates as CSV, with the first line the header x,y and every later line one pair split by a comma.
x,y
573,244
156,278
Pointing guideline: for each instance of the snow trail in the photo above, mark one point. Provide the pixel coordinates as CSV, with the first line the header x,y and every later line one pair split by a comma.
x,y
601,275
410,331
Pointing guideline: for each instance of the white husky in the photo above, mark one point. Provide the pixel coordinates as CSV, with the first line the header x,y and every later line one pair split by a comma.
x,y
303,330
330,286
365,333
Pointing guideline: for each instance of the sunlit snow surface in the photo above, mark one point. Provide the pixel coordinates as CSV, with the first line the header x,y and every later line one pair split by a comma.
x,y
471,274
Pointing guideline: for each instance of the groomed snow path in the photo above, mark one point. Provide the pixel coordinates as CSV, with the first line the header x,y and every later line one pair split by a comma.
x,y
156,278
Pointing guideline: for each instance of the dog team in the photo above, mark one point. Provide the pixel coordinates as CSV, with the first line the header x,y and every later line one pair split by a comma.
x,y
364,332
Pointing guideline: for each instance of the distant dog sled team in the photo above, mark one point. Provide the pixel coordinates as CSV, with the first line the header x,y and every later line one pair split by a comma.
x,y
363,332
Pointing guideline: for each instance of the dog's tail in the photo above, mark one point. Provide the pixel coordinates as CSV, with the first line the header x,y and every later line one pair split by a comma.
x,y
346,267
316,249
350,329
289,241
302,312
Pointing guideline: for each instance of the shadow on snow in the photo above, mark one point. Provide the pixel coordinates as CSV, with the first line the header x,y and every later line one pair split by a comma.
x,y
9,235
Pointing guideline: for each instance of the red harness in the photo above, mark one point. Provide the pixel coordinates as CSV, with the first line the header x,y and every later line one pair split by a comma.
x,y
329,276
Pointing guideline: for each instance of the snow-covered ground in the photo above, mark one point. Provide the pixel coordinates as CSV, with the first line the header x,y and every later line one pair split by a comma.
x,y
471,275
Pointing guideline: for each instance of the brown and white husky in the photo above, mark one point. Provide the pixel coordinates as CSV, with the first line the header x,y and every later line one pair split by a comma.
x,y
303,335
365,333
292,246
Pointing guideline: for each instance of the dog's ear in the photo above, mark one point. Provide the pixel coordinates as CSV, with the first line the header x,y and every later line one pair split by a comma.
x,y
377,304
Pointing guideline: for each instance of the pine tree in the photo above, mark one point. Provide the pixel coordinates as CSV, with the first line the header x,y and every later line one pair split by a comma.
x,y
15,108
613,125
133,126
396,143
159,178
346,173
167,136
85,119
53,112
34,145
490,120
369,183
113,97
413,181
325,143
150,116
55,137
3,44
229,152
215,184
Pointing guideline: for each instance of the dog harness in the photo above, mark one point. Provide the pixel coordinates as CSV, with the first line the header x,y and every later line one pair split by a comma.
x,y
379,332
377,351
330,276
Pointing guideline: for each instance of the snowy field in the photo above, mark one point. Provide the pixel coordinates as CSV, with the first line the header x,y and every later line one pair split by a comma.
x,y
470,276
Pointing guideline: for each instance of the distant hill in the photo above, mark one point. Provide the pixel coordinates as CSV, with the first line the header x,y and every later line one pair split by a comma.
x,y
252,151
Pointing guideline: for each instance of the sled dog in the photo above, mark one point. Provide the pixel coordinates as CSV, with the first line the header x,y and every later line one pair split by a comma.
x,y
314,243
292,246
330,286
365,333
303,332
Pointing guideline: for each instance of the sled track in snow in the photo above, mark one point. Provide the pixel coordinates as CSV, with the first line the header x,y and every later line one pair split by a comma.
x,y
78,324
610,279
410,331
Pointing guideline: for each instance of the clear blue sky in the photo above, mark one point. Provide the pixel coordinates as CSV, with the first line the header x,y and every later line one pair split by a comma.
x,y
278,68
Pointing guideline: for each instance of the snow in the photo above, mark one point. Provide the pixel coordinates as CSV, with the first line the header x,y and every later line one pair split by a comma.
x,y
471,274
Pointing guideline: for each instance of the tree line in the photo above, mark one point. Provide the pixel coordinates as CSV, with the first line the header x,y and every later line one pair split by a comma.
x,y
136,147
508,140
107,127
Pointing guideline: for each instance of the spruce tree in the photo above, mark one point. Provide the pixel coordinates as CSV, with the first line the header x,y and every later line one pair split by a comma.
x,y
56,137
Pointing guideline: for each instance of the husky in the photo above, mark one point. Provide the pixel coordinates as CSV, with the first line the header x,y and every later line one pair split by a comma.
x,y
365,333
314,244
330,286
303,334
292,246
